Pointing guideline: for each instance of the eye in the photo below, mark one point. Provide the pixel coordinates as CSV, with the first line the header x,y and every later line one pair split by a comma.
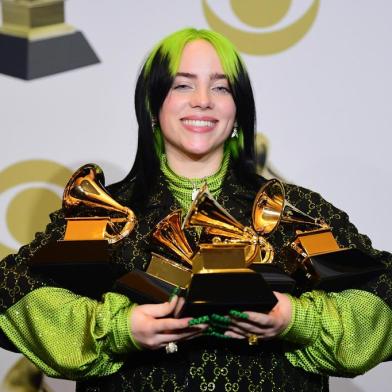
x,y
222,89
181,86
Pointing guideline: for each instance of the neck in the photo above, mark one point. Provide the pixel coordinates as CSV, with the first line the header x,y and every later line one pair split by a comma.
x,y
184,188
194,166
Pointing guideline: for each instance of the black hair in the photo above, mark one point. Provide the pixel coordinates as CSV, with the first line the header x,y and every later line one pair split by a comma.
x,y
153,84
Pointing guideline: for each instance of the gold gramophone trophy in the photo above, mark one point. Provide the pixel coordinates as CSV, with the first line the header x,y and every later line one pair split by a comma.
x,y
80,260
318,259
217,275
163,274
233,266
35,41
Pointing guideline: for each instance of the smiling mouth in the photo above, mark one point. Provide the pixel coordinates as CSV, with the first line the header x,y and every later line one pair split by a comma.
x,y
199,123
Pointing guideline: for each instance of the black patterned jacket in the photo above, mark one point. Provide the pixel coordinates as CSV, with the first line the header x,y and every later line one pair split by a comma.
x,y
204,364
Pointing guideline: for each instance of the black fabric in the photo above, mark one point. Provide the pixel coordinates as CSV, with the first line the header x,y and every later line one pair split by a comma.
x,y
202,364
206,364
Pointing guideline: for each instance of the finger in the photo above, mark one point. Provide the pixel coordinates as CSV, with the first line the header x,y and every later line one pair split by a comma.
x,y
171,324
247,328
237,330
252,330
234,335
196,335
201,327
156,340
200,320
258,319
175,292
164,339
160,310
237,314
180,304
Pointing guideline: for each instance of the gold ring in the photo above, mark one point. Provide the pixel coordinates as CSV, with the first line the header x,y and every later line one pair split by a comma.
x,y
253,340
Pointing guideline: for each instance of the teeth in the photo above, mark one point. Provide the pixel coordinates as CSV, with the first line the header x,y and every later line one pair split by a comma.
x,y
199,123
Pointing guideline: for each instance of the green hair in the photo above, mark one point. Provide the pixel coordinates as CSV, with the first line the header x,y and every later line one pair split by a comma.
x,y
172,46
235,144
153,84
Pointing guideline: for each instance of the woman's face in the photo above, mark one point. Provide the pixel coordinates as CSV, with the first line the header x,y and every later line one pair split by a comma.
x,y
198,113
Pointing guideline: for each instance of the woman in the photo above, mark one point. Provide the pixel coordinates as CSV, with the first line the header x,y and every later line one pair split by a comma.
x,y
196,116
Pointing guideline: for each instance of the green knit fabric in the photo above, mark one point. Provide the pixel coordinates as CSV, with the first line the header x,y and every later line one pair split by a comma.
x,y
70,336
75,337
182,188
344,333
67,335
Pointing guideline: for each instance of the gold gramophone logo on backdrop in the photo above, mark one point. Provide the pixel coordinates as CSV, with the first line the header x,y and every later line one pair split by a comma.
x,y
263,15
29,191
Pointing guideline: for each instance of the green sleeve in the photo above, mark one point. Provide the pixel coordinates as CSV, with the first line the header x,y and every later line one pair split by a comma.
x,y
344,333
70,336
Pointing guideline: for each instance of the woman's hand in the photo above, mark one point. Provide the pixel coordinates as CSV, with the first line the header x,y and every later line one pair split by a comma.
x,y
154,325
264,326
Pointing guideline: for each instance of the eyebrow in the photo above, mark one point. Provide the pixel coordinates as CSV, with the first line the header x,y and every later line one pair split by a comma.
x,y
215,76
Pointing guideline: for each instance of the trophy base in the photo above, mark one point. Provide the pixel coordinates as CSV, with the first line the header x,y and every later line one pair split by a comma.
x,y
221,292
275,277
337,271
81,266
144,288
30,59
212,292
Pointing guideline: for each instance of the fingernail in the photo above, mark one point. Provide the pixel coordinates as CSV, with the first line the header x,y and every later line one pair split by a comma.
x,y
238,314
199,320
175,291
221,319
210,331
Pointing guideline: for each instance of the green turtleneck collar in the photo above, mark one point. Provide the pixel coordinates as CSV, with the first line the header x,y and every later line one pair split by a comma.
x,y
184,188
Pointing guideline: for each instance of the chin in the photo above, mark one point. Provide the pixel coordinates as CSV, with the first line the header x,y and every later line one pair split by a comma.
x,y
198,154
199,150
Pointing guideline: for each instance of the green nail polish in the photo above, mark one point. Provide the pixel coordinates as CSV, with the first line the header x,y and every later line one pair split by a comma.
x,y
238,314
221,319
213,332
205,319
175,291
199,320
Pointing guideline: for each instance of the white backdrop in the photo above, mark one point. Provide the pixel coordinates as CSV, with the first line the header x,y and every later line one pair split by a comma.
x,y
324,104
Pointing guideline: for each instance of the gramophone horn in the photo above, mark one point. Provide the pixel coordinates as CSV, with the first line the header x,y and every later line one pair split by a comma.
x,y
87,187
224,229
206,212
168,232
271,207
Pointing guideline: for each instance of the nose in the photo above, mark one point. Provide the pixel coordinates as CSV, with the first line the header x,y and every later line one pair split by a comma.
x,y
201,98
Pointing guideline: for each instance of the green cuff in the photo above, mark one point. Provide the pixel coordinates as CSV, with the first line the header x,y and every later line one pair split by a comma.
x,y
345,333
134,343
283,333
122,341
67,335
305,321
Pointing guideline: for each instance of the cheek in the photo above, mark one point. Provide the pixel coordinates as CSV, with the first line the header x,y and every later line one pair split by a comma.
x,y
164,117
170,110
228,109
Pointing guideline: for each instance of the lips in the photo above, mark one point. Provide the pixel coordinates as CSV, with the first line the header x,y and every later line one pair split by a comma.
x,y
198,124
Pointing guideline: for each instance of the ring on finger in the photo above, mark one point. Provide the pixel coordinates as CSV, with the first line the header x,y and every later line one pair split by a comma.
x,y
253,339
171,348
